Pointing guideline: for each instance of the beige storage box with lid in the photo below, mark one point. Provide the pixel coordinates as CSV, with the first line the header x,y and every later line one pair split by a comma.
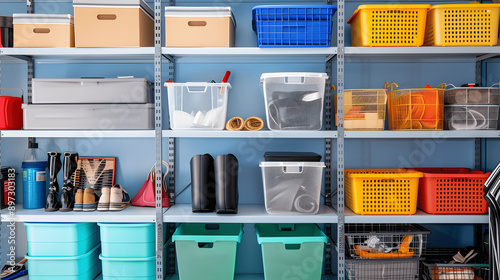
x,y
43,31
113,23
199,27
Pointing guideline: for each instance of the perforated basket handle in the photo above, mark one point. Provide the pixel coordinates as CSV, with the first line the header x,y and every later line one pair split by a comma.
x,y
448,85
495,85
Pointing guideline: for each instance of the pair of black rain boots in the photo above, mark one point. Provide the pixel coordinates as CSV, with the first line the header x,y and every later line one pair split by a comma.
x,y
67,195
214,184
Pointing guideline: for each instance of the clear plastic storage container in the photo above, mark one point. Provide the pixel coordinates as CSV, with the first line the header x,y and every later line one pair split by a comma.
x,y
294,101
197,105
472,95
364,109
292,187
470,117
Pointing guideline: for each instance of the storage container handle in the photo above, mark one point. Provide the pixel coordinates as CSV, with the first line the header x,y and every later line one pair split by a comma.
x,y
205,245
194,85
197,23
293,247
448,85
41,30
106,17
442,86
390,87
295,80
495,85
293,169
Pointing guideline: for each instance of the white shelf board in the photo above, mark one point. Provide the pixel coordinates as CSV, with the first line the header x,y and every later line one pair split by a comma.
x,y
250,54
418,218
250,277
130,214
182,213
421,51
78,133
80,53
436,134
249,134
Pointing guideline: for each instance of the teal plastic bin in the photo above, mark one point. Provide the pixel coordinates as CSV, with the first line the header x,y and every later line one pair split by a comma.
x,y
128,240
83,267
206,251
291,251
131,268
61,239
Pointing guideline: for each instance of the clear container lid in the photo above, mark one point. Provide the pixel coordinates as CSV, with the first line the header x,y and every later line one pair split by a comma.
x,y
291,164
177,11
293,75
42,19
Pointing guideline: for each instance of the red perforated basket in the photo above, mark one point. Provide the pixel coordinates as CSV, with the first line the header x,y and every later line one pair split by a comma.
x,y
452,191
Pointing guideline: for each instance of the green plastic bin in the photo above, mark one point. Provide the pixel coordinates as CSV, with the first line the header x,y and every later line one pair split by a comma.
x,y
291,251
128,240
206,251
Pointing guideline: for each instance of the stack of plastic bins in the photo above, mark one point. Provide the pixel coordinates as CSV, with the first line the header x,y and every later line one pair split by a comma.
x,y
294,101
128,251
384,251
292,182
471,108
416,109
364,109
382,191
206,251
63,251
291,251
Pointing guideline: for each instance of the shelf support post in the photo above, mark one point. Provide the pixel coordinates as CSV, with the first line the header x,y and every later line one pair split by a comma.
x,y
340,140
158,141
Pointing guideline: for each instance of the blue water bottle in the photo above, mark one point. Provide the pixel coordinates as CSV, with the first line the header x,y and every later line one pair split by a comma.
x,y
34,186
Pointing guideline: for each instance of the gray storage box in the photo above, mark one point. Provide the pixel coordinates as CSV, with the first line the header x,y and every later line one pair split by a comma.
x,y
94,116
90,91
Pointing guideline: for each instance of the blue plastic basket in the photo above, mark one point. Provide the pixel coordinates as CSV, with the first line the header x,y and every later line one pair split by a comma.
x,y
61,239
293,25
83,267
128,240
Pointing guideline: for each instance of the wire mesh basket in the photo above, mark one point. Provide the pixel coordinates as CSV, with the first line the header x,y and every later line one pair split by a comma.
x,y
385,241
391,269
432,269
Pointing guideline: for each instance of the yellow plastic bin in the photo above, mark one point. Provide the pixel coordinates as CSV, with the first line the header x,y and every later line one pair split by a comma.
x,y
382,191
388,25
462,25
416,109
364,109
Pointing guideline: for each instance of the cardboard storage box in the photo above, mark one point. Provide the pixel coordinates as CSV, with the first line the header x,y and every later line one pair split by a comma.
x,y
43,31
199,27
94,90
113,23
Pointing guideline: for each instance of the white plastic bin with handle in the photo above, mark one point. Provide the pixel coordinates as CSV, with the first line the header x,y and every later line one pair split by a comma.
x,y
292,187
294,101
197,105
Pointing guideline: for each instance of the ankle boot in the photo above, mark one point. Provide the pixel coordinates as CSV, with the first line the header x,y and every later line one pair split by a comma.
x,y
78,200
54,162
70,165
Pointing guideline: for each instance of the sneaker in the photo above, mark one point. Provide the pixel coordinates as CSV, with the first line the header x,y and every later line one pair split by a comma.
x,y
78,200
89,200
104,200
119,199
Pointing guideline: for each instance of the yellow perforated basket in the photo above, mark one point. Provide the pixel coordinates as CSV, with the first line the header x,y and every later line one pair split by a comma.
x,y
388,25
462,25
382,191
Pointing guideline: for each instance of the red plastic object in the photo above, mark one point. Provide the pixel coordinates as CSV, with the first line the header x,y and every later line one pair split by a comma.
x,y
226,77
452,191
11,117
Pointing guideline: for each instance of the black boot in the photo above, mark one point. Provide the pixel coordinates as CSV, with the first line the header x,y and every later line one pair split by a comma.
x,y
70,165
54,162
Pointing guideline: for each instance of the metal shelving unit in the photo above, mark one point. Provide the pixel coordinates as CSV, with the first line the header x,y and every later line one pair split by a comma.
x,y
333,58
